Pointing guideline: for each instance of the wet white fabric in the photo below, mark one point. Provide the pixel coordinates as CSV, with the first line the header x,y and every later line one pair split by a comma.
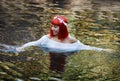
x,y
48,45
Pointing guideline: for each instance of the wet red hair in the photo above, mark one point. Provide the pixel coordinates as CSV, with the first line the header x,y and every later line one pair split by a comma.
x,y
63,31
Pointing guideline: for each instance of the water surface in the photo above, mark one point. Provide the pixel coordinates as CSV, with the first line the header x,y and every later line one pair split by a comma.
x,y
93,22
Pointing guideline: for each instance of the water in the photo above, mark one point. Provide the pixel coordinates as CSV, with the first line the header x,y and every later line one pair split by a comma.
x,y
93,22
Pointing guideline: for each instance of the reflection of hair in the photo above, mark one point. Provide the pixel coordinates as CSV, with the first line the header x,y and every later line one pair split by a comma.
x,y
62,23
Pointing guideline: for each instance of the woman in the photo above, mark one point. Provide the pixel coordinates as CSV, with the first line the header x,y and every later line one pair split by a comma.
x,y
59,33
58,43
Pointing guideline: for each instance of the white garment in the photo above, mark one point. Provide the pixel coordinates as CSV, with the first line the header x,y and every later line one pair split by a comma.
x,y
49,45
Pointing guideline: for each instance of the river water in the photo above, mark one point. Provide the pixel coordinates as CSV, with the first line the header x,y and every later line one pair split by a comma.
x,y
93,22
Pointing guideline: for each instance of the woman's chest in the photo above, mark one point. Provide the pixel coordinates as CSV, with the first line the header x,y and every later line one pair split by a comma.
x,y
61,41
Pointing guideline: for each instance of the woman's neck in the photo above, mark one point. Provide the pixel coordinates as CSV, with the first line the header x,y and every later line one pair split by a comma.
x,y
55,38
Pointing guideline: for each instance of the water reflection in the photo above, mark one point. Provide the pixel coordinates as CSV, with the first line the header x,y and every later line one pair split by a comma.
x,y
93,22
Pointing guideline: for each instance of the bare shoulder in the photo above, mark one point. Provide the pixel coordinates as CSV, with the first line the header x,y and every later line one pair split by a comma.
x,y
48,35
72,39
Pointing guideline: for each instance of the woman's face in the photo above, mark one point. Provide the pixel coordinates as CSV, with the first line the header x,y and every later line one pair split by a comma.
x,y
55,29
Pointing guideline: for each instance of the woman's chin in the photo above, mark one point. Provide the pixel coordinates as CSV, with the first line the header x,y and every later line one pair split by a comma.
x,y
55,33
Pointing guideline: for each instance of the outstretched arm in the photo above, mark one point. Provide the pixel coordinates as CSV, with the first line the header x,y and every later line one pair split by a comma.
x,y
82,46
33,43
26,45
87,47
10,48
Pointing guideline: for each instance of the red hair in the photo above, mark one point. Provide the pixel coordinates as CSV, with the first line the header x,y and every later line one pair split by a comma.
x,y
62,23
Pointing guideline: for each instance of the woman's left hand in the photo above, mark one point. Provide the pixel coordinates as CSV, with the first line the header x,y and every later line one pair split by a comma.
x,y
109,50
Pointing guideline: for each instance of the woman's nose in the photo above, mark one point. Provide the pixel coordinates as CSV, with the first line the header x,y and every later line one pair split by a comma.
x,y
53,28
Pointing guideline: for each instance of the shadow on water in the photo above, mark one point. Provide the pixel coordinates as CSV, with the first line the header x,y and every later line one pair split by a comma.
x,y
93,22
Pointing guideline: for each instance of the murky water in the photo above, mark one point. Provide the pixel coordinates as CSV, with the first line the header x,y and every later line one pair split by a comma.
x,y
93,22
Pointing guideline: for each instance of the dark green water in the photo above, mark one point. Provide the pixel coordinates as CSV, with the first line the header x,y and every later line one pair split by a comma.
x,y
94,22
